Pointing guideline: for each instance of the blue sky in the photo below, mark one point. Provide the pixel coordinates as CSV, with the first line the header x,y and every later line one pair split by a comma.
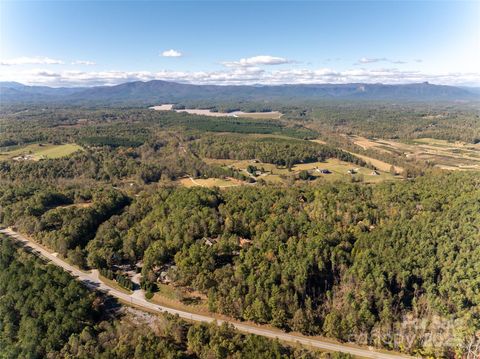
x,y
106,42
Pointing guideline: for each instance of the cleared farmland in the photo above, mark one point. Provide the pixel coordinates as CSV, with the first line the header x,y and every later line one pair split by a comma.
x,y
209,182
38,151
339,170
444,154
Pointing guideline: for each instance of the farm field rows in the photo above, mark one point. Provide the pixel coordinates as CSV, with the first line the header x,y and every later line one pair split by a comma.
x,y
447,155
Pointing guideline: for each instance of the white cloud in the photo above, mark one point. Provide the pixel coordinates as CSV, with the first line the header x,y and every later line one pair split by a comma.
x,y
83,62
370,60
171,53
240,76
25,60
257,60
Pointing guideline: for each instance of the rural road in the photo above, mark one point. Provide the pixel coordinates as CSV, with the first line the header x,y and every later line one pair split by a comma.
x,y
92,281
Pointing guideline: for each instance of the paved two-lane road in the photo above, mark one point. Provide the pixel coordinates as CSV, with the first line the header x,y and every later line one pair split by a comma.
x,y
92,280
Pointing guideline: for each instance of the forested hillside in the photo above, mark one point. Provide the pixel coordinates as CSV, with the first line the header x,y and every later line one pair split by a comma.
x,y
137,93
45,313
379,264
342,260
279,151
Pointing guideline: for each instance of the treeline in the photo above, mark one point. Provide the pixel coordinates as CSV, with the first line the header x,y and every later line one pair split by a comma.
x,y
64,228
45,313
342,260
127,127
121,279
279,151
109,141
445,121
165,157
173,338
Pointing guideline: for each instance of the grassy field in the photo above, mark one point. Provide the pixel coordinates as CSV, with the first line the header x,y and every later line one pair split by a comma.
x,y
209,182
381,165
319,141
38,151
444,154
274,115
179,298
274,174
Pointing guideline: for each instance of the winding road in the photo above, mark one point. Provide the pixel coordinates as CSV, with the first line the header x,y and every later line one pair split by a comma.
x,y
92,280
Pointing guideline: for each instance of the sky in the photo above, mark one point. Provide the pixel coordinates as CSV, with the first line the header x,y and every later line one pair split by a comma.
x,y
89,43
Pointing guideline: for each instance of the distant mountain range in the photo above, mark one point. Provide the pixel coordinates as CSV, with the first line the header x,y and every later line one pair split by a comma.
x,y
157,92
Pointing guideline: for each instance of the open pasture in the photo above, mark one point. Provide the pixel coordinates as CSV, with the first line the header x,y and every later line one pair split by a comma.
x,y
209,182
276,174
39,151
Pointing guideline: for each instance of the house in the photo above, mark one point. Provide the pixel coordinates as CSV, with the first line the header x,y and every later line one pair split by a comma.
x,y
164,276
244,241
210,241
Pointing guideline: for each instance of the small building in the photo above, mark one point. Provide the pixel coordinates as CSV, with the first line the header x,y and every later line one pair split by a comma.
x,y
375,173
323,171
210,241
164,278
244,241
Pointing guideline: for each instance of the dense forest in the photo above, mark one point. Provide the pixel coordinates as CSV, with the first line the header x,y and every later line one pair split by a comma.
x,y
339,260
279,151
446,121
336,259
45,313
384,265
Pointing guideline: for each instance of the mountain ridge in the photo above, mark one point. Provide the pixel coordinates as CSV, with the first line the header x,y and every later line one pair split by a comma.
x,y
159,91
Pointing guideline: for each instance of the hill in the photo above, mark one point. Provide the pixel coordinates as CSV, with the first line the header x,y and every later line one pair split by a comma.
x,y
157,91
